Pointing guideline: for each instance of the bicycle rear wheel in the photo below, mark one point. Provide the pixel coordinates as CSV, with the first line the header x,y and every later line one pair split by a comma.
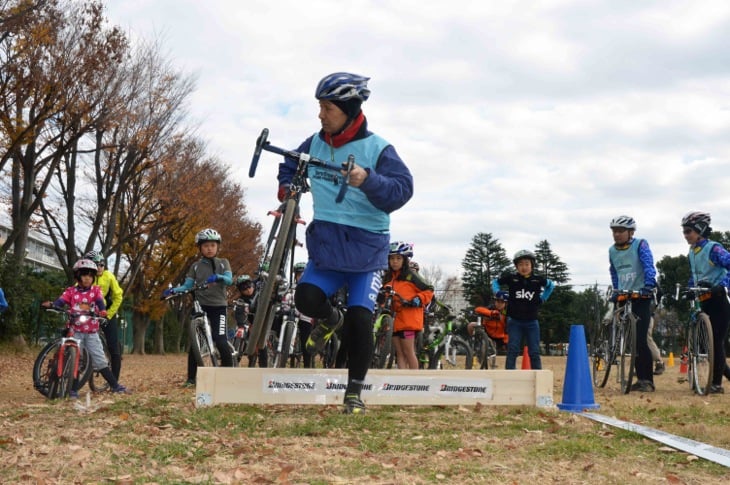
x,y
383,342
266,302
627,341
602,356
204,355
701,354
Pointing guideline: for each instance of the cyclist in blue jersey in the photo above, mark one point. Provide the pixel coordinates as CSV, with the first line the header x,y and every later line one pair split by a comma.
x,y
709,263
632,268
348,243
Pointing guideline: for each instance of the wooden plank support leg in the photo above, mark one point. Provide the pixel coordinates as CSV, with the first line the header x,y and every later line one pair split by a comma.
x,y
216,385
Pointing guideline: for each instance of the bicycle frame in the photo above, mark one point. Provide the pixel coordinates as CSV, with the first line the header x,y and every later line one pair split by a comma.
x,y
284,230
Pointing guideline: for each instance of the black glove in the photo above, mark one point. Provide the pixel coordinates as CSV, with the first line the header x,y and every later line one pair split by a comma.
x,y
719,291
704,284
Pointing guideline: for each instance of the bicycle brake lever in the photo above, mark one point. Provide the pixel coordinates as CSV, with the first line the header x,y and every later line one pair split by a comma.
x,y
347,167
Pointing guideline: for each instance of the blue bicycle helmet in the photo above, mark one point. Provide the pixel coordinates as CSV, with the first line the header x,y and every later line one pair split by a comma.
x,y
502,296
403,248
343,86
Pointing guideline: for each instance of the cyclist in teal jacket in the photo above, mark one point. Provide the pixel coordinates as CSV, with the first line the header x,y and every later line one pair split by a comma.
x,y
347,243
709,263
632,268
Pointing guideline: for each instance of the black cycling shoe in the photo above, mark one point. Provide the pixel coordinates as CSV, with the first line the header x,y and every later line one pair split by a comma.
x,y
643,386
353,405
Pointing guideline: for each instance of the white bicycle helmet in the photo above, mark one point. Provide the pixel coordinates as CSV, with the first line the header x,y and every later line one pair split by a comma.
x,y
625,222
84,266
403,248
207,235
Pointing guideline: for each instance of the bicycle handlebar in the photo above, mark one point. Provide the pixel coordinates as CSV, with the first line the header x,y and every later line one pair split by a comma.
x,y
691,289
196,287
72,315
262,143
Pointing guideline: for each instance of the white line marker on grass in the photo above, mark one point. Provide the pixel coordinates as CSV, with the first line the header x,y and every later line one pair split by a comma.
x,y
708,452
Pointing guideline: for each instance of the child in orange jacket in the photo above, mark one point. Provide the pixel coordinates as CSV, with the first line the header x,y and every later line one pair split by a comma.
x,y
494,320
415,295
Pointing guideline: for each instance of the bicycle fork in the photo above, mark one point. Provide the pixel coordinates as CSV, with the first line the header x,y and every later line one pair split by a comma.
x,y
65,343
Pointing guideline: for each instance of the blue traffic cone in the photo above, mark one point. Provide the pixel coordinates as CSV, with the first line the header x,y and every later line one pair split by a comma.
x,y
577,385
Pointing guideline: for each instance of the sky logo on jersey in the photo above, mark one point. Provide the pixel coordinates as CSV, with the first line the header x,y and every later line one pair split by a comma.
x,y
524,295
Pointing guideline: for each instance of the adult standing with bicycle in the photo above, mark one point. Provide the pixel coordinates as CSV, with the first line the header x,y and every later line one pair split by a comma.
x,y
632,268
709,263
216,273
415,294
87,297
113,296
348,242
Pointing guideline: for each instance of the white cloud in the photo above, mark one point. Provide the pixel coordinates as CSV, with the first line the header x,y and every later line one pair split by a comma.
x,y
529,120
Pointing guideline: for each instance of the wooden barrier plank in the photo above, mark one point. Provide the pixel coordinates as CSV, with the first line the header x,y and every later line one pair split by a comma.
x,y
216,385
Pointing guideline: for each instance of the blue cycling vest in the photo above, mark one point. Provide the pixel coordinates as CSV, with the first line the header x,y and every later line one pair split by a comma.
x,y
355,210
628,266
703,268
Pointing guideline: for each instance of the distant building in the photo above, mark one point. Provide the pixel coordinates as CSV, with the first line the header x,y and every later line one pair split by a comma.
x,y
39,253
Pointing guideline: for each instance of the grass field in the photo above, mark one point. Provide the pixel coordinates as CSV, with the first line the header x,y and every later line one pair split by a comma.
x,y
156,435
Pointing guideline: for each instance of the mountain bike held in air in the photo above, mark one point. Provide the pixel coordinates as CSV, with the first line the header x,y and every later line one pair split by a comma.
x,y
699,347
282,239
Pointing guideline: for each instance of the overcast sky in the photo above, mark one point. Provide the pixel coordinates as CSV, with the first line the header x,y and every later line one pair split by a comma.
x,y
529,120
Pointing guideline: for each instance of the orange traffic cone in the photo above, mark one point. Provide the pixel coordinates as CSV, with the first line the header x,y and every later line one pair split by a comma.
x,y
526,359
670,361
683,361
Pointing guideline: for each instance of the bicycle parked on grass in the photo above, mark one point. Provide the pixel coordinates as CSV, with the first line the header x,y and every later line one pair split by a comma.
x,y
439,346
485,349
282,238
699,347
201,337
614,343
64,360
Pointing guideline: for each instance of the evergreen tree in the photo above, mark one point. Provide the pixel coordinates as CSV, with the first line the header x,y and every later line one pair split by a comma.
x,y
485,260
549,265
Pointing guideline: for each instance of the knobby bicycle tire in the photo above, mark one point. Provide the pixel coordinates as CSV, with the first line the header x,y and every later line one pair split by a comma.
x,y
66,380
701,354
383,342
44,367
97,383
627,341
480,347
204,355
602,355
271,343
458,347
262,321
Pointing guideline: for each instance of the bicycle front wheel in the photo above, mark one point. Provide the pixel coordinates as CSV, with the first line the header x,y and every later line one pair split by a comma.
x,y
602,356
204,355
44,367
458,356
266,304
66,379
627,340
701,354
